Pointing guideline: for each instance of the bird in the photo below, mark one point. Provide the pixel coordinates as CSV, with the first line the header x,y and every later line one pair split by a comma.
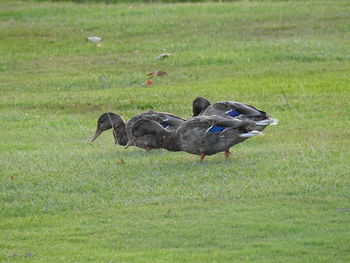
x,y
202,135
122,130
202,107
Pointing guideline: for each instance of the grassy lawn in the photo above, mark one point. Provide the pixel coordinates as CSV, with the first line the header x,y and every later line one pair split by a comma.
x,y
283,197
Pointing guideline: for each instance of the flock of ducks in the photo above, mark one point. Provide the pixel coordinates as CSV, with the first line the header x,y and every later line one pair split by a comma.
x,y
213,128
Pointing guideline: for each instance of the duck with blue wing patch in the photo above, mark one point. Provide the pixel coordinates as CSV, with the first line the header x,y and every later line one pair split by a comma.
x,y
202,107
203,135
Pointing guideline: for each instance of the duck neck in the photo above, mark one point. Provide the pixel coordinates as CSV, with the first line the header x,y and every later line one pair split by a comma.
x,y
119,133
169,141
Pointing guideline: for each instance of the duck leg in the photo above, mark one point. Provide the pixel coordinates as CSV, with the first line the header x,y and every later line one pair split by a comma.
x,y
201,158
227,154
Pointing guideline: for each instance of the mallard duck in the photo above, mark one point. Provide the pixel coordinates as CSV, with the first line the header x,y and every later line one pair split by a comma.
x,y
202,107
203,135
122,129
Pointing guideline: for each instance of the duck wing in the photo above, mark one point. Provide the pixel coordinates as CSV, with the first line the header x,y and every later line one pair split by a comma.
x,y
234,109
213,124
166,120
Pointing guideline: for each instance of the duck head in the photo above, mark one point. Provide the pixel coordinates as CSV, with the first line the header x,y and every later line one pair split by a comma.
x,y
199,105
108,121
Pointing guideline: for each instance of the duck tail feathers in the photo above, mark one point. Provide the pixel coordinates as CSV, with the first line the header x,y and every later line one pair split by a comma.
x,y
273,121
250,134
269,121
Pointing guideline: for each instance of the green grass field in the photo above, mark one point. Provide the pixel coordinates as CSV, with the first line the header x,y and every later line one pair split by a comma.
x,y
283,197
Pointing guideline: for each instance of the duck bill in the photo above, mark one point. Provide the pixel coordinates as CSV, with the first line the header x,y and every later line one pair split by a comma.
x,y
129,143
97,133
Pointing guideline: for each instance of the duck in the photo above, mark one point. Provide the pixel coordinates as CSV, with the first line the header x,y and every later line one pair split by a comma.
x,y
202,107
201,135
122,129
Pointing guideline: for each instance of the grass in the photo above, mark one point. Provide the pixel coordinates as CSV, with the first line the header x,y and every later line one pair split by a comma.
x,y
282,197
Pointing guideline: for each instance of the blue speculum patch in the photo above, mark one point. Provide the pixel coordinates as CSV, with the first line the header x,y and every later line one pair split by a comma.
x,y
164,125
233,113
216,129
